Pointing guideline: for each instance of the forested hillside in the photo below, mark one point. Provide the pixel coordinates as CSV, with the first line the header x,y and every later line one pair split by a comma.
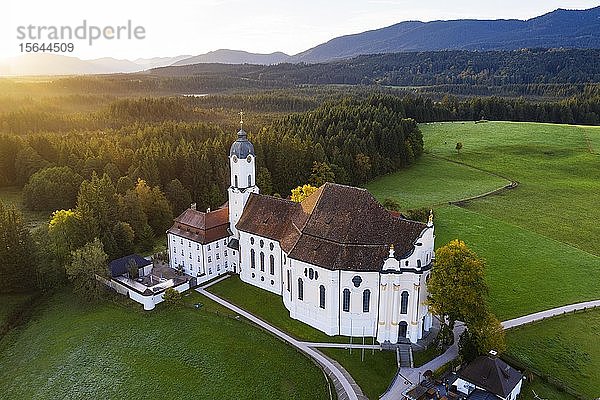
x,y
493,68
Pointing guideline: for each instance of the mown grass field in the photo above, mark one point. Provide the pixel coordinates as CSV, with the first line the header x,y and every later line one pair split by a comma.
x,y
564,347
115,351
559,179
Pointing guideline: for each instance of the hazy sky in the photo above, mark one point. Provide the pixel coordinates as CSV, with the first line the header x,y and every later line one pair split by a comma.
x,y
192,27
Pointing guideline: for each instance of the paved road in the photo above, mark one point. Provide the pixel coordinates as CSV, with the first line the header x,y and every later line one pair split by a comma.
x,y
348,391
406,377
527,319
343,345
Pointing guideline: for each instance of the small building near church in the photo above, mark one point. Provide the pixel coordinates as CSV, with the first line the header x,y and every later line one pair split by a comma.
x,y
488,377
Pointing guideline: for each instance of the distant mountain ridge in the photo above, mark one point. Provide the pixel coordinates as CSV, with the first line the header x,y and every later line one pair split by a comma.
x,y
57,64
560,28
557,29
224,56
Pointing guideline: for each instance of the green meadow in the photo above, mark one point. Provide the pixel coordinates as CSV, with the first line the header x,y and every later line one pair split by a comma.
x,y
537,238
116,351
540,239
564,347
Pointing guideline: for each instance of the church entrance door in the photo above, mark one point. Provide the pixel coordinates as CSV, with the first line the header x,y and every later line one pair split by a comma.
x,y
403,326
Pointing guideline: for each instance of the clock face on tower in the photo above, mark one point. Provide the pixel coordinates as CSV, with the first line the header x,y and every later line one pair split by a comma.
x,y
235,159
249,158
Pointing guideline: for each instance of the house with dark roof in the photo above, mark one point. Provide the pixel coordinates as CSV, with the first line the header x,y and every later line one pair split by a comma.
x,y
340,261
121,265
489,378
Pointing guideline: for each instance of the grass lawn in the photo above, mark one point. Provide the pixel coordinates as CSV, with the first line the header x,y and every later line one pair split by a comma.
x,y
565,347
114,351
374,374
269,307
437,182
424,356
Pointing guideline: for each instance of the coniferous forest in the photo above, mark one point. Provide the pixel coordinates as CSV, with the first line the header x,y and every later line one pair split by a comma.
x,y
121,155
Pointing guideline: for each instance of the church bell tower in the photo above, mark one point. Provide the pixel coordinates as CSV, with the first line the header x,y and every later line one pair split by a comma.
x,y
243,176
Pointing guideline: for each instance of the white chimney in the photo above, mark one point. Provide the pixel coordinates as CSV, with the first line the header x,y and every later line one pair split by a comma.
x,y
193,206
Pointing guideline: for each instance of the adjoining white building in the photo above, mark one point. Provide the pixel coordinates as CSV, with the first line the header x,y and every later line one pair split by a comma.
x,y
341,262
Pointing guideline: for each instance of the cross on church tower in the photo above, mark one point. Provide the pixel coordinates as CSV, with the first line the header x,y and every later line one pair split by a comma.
x,y
241,119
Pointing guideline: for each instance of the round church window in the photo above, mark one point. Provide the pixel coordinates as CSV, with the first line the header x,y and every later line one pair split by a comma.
x,y
357,280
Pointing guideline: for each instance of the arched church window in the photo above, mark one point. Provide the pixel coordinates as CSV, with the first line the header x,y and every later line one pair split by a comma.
x,y
404,302
418,263
300,289
289,280
252,259
346,300
235,181
251,240
366,300
311,273
322,297
262,243
272,264
249,180
271,246
262,262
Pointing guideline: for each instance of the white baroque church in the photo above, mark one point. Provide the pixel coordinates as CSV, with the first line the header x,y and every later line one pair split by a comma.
x,y
341,262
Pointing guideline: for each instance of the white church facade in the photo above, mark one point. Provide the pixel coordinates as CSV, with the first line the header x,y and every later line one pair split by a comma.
x,y
341,262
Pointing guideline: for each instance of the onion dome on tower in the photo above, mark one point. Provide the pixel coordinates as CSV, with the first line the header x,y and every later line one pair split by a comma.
x,y
242,147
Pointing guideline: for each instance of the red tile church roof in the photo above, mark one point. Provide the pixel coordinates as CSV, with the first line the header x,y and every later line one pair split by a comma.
x,y
202,227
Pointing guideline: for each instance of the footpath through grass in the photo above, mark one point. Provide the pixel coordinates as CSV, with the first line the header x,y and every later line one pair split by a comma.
x,y
113,351
432,181
269,307
566,348
559,179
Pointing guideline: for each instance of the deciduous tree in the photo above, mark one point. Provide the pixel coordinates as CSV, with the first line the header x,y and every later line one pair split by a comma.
x,y
87,263
302,192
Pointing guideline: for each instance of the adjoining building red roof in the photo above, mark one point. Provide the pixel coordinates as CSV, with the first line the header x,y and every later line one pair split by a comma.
x,y
202,227
337,227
